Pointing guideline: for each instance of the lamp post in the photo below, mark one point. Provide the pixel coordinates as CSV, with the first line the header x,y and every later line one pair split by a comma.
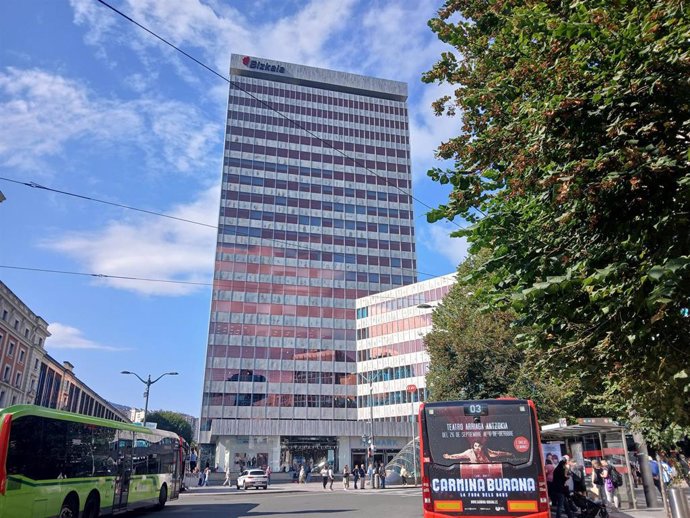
x,y
371,414
411,389
148,384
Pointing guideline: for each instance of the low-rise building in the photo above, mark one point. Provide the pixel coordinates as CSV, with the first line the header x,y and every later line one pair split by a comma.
x,y
28,374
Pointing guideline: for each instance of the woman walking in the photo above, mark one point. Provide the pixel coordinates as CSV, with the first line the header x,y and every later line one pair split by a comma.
x,y
346,477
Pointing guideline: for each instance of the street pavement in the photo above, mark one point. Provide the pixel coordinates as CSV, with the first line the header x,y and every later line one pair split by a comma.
x,y
284,499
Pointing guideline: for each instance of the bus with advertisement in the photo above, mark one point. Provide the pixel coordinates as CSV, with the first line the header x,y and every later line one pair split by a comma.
x,y
55,463
482,459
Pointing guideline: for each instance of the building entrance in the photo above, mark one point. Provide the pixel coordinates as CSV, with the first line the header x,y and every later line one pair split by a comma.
x,y
311,452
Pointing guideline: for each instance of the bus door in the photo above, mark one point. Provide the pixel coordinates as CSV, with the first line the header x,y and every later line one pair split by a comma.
x,y
123,474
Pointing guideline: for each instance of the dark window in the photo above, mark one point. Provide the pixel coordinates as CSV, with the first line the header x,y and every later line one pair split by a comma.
x,y
44,449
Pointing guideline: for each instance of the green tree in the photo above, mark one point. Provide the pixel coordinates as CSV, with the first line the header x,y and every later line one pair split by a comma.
x,y
473,354
173,422
572,166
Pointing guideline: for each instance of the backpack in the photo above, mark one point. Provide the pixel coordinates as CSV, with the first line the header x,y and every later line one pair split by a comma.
x,y
615,477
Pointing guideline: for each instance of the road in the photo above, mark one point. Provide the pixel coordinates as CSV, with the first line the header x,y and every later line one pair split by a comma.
x,y
290,501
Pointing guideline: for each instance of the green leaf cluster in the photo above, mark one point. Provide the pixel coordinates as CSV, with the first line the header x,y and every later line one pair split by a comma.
x,y
172,422
575,125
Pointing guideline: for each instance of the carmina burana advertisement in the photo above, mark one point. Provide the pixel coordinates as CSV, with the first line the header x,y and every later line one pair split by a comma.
x,y
483,458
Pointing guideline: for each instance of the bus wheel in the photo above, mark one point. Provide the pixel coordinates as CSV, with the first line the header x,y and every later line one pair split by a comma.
x,y
162,497
70,507
92,508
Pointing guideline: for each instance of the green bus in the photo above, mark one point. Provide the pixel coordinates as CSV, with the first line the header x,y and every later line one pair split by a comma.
x,y
60,464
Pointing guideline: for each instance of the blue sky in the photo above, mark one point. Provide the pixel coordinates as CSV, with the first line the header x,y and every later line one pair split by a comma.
x,y
90,104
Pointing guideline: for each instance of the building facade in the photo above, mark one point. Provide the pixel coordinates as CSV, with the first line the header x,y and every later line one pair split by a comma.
x,y
315,212
30,375
392,362
21,333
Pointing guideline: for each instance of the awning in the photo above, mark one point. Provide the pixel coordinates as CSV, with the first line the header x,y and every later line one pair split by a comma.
x,y
582,426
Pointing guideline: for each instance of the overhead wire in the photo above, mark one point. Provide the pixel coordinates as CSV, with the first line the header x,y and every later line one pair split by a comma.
x,y
293,244
297,124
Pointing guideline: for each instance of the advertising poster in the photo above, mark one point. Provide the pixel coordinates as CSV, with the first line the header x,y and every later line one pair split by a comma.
x,y
484,458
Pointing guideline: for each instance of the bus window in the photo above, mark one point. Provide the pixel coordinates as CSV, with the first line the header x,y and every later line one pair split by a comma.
x,y
481,458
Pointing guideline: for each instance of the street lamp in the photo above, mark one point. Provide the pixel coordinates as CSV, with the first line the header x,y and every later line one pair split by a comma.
x,y
371,413
411,389
148,384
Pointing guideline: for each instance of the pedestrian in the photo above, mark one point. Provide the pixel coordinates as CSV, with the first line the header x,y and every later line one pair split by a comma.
x,y
268,474
371,474
355,474
362,476
560,490
192,460
207,474
330,477
548,469
200,476
598,481
324,476
346,477
302,475
382,475
226,482
578,477
403,475
609,474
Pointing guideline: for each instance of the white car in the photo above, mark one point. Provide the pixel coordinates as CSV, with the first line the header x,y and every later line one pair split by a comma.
x,y
252,478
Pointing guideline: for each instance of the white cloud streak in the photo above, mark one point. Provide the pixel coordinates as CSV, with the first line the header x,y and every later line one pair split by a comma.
x,y
149,248
437,237
67,337
44,113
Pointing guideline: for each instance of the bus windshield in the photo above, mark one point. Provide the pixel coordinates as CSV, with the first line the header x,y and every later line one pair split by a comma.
x,y
482,458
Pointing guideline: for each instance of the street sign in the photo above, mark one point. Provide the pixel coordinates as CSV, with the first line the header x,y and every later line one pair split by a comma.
x,y
412,389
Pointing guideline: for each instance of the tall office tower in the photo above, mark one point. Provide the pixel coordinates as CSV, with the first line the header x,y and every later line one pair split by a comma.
x,y
315,212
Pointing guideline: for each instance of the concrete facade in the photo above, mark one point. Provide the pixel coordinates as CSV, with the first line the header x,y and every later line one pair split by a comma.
x,y
315,213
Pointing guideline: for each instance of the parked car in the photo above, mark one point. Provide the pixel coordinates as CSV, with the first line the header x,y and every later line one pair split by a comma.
x,y
252,478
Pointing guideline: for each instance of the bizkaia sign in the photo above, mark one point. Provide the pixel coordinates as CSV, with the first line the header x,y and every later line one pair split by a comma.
x,y
262,65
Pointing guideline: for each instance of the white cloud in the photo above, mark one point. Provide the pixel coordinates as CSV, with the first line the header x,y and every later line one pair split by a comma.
x,y
67,337
436,237
427,131
44,113
151,248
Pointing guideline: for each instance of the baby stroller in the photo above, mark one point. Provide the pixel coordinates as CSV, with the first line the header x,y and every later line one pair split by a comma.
x,y
588,508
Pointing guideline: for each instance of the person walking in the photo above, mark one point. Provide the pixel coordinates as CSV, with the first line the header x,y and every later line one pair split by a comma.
x,y
355,474
192,460
324,476
371,474
362,476
346,477
403,475
560,489
226,482
302,475
382,475
330,477
548,469
611,478
207,474
598,481
268,474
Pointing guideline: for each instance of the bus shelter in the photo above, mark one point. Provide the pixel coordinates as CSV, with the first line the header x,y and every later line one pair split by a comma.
x,y
597,438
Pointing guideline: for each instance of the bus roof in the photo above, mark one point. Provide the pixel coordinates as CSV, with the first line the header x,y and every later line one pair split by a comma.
x,y
25,410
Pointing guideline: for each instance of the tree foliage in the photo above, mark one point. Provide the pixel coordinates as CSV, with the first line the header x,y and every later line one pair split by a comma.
x,y
173,422
572,163
473,354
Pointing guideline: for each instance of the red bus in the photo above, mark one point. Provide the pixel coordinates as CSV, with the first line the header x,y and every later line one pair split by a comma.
x,y
482,459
